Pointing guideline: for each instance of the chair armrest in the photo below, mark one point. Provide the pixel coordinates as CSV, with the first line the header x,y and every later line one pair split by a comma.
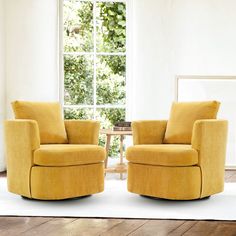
x,y
82,131
209,139
148,131
21,139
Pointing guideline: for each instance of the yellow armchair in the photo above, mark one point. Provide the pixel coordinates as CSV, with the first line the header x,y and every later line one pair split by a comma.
x,y
177,171
54,171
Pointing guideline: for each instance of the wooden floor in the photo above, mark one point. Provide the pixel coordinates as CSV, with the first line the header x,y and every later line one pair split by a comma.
x,y
45,226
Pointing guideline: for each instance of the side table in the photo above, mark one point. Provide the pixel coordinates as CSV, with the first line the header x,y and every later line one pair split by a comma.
x,y
121,167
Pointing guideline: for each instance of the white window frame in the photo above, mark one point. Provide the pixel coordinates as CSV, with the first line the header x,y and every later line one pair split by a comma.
x,y
128,76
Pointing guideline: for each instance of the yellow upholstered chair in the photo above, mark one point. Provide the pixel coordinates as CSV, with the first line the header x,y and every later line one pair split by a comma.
x,y
181,159
52,159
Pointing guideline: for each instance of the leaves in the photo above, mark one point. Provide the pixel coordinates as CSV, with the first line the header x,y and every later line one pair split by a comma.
x,y
78,80
111,25
78,26
111,80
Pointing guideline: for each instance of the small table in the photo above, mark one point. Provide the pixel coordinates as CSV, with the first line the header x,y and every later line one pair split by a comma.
x,y
121,167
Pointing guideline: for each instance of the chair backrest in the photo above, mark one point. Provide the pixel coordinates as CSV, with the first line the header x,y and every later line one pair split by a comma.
x,y
48,115
183,116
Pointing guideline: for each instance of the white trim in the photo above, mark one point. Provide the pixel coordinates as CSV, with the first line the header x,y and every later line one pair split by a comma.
x,y
94,59
61,55
97,106
100,0
129,59
97,53
233,167
207,77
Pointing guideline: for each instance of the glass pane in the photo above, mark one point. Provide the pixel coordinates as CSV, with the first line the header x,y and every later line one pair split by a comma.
x,y
78,80
108,117
111,80
78,114
111,26
78,26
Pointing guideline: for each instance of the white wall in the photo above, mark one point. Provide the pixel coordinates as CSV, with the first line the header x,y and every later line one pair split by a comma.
x,y
2,80
181,37
152,72
32,50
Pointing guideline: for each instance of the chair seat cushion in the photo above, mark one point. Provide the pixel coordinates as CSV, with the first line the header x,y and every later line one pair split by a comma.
x,y
68,154
163,155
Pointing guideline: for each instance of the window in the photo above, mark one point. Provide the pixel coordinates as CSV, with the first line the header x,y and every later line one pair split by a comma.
x,y
94,43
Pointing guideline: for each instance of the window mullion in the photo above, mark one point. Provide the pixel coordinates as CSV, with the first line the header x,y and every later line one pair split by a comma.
x,y
94,59
97,53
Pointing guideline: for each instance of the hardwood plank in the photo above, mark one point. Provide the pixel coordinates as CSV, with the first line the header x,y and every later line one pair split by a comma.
x,y
125,227
85,227
17,225
202,228
187,225
6,222
51,225
226,229
231,179
3,221
157,227
229,174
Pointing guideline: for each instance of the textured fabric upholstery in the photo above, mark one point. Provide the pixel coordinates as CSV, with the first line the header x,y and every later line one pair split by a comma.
x,y
52,171
21,140
175,183
163,155
182,117
82,131
54,183
148,131
209,139
177,171
48,116
68,154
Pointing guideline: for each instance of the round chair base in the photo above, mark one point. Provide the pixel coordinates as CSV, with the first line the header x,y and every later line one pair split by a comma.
x,y
173,183
57,183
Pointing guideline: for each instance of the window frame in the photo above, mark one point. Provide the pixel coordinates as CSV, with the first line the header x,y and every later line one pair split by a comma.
x,y
127,52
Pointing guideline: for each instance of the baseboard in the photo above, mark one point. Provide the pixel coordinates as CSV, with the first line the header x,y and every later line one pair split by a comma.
x,y
230,167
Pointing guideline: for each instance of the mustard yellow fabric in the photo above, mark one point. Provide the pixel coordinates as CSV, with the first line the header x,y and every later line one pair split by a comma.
x,y
76,170
68,154
182,117
82,131
21,140
176,183
48,116
148,131
209,139
163,155
164,170
54,183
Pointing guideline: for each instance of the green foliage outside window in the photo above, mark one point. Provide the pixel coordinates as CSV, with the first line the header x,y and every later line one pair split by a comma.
x,y
110,69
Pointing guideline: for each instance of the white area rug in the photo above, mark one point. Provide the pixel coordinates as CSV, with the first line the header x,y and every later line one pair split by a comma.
x,y
116,202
